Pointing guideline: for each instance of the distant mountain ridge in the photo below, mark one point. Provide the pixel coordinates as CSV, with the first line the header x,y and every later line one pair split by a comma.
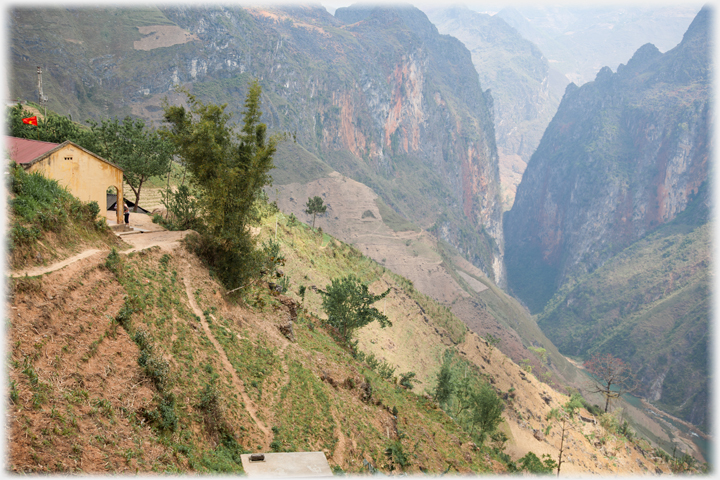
x,y
526,90
581,39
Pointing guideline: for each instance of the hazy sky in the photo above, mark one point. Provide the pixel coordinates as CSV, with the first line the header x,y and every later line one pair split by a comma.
x,y
487,7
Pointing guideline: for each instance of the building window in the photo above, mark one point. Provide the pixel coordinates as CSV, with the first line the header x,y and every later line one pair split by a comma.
x,y
68,158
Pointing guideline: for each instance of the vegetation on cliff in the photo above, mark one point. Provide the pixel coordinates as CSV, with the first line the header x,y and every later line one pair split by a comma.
x,y
648,305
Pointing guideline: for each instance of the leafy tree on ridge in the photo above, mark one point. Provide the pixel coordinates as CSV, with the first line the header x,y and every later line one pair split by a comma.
x,y
140,152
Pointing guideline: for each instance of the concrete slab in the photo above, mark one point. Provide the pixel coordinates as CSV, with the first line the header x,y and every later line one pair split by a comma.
x,y
288,464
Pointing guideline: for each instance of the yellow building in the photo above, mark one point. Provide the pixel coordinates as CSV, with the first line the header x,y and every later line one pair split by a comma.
x,y
84,174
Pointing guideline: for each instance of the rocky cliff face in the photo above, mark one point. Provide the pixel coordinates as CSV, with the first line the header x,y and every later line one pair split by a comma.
x,y
525,92
376,93
649,305
623,155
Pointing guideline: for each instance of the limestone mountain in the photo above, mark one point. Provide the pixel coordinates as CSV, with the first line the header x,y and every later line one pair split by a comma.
x,y
649,305
623,155
376,94
525,89
611,222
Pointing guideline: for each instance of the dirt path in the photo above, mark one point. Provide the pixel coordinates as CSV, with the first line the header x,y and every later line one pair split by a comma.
x,y
338,453
239,385
41,270
166,240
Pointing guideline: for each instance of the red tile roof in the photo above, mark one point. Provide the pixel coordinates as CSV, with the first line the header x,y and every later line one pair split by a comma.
x,y
25,151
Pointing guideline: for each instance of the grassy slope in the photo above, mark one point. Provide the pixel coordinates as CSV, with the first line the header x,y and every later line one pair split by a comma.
x,y
134,380
508,312
295,162
48,224
196,404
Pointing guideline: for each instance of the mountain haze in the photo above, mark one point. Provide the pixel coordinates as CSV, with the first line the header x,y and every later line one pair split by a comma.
x,y
525,89
579,40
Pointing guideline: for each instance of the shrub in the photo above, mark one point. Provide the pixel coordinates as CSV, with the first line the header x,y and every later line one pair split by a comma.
x,y
347,302
234,264
385,370
183,210
113,261
164,417
124,315
531,463
92,209
397,455
407,380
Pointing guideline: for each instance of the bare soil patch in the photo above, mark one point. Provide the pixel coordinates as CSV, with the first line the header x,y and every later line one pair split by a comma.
x,y
79,372
158,36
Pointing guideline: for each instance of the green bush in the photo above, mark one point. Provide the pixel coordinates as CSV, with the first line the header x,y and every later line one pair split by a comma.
x,y
531,463
347,302
407,380
183,210
396,455
113,261
235,264
42,205
124,315
163,417
385,370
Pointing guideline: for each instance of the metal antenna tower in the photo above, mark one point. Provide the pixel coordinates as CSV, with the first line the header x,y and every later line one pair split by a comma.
x,y
42,99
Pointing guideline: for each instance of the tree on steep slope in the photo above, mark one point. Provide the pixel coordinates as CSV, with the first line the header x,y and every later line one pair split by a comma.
x,y
613,376
445,386
229,171
315,206
347,302
564,417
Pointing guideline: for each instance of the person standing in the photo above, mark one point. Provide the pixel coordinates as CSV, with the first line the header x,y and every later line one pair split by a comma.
x,y
127,213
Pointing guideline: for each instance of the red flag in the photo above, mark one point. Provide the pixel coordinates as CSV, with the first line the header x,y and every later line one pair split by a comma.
x,y
30,120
